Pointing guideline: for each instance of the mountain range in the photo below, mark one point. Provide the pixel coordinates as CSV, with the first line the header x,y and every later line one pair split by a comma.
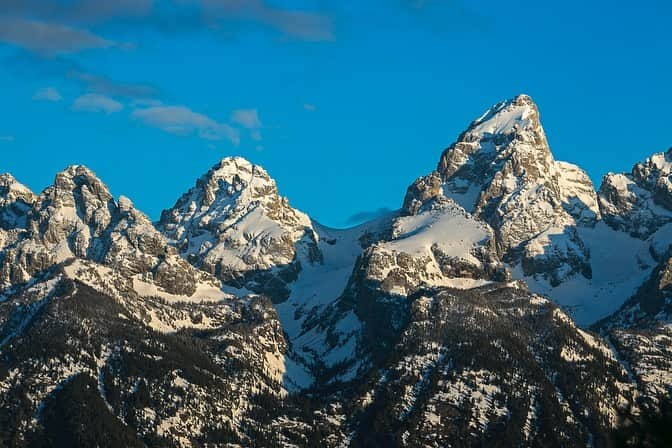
x,y
508,302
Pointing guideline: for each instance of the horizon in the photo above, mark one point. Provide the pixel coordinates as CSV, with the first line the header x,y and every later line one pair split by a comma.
x,y
344,105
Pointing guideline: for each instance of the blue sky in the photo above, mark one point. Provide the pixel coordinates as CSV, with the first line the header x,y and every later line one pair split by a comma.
x,y
344,104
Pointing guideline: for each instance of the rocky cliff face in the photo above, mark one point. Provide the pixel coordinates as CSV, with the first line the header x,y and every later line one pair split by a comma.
x,y
640,202
77,217
234,225
502,171
15,200
488,366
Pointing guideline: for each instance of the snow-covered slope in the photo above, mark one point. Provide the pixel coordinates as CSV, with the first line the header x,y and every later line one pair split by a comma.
x,y
442,245
321,336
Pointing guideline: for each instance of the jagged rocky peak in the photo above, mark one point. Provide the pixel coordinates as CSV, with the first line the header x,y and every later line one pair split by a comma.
x,y
77,217
509,130
15,201
77,203
230,186
78,213
234,224
501,170
236,174
11,191
501,151
639,203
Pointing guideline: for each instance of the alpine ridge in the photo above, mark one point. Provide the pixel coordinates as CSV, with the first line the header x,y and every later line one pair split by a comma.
x,y
506,303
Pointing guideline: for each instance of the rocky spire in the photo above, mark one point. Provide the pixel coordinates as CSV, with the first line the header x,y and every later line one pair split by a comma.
x,y
501,170
509,131
15,201
78,207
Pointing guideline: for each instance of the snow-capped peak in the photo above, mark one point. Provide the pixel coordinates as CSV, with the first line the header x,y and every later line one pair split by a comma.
x,y
234,222
10,188
656,167
77,217
78,174
509,135
81,196
11,191
501,170
507,116
662,161
231,177
236,166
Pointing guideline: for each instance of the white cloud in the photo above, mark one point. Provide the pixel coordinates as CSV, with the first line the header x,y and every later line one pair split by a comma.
x,y
93,102
181,120
47,94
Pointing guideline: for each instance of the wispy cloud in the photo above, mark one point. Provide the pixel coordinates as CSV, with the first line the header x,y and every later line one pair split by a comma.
x,y
30,65
310,107
47,94
48,38
6,138
47,33
173,15
249,119
181,120
305,25
93,102
106,86
78,11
